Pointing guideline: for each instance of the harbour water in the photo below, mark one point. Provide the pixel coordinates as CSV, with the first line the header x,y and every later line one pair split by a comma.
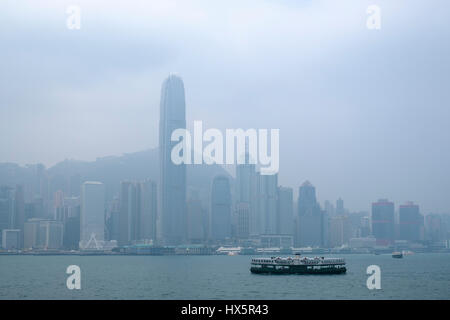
x,y
418,276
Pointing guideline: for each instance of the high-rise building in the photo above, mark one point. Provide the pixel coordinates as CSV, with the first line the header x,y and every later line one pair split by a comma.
x,y
71,235
138,208
340,207
51,234
70,216
126,187
11,239
6,208
43,234
243,220
285,211
220,208
12,210
92,219
195,232
383,222
148,210
411,222
112,220
268,203
340,231
246,191
435,228
172,176
329,208
31,233
310,217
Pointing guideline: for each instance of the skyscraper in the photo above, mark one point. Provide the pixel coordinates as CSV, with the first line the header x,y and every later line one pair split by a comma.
x,y
285,211
6,208
243,220
172,176
138,206
340,231
310,217
411,222
220,208
246,191
340,207
12,210
267,205
383,221
92,214
195,232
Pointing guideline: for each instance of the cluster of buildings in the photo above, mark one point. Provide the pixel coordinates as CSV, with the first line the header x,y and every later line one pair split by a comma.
x,y
251,210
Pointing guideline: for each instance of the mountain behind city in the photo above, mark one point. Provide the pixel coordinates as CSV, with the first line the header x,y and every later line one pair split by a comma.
x,y
111,170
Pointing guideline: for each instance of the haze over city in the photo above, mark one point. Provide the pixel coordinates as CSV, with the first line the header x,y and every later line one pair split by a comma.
x,y
363,115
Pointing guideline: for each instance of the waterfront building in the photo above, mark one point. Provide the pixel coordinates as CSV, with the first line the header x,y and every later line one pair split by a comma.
x,y
411,222
383,222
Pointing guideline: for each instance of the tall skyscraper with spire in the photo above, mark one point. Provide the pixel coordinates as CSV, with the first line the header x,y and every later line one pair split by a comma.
x,y
172,177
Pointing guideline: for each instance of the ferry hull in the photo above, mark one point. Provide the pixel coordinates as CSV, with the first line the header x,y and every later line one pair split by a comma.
x,y
297,270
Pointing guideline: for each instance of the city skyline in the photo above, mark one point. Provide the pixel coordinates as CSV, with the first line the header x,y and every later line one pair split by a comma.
x,y
172,212
361,113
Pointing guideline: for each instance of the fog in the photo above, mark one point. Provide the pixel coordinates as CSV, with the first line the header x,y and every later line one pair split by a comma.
x,y
363,114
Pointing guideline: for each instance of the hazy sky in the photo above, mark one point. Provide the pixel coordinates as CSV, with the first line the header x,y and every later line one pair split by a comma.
x,y
362,114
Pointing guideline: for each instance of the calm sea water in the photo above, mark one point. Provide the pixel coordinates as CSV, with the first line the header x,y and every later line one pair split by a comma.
x,y
419,276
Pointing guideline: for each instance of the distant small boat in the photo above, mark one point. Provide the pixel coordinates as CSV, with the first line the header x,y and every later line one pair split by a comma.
x,y
407,253
397,255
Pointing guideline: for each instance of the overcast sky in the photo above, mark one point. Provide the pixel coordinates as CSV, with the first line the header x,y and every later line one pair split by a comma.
x,y
363,114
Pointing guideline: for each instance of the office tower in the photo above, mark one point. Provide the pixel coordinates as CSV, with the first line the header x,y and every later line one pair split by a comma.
x,y
11,239
435,228
70,217
310,217
267,188
148,210
41,190
329,208
51,234
364,230
43,234
172,176
71,234
113,220
220,208
411,222
340,231
19,211
6,208
246,190
38,208
31,233
340,207
243,220
195,232
285,211
138,207
383,221
125,218
92,215
58,205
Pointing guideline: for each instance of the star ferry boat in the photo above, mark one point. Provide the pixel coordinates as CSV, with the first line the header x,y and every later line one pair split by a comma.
x,y
298,265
